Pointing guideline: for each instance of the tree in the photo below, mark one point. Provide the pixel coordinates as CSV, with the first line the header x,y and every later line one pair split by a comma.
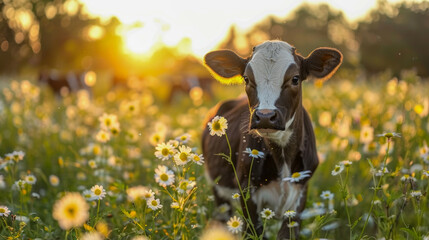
x,y
396,38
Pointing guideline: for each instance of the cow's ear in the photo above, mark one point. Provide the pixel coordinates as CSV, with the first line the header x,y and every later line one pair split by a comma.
x,y
322,63
226,66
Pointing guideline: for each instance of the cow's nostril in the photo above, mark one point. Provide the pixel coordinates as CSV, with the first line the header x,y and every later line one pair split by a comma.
x,y
273,118
257,118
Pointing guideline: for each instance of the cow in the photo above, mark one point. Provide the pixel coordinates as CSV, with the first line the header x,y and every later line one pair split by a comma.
x,y
272,120
73,81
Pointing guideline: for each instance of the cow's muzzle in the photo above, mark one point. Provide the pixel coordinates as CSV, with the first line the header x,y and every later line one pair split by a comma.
x,y
269,119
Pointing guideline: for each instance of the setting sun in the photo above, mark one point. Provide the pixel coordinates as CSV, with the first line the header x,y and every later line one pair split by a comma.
x,y
167,22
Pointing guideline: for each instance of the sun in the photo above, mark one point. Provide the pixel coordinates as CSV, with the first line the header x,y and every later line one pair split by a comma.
x,y
140,41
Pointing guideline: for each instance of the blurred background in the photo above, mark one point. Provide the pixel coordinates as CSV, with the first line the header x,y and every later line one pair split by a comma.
x,y
68,65
93,43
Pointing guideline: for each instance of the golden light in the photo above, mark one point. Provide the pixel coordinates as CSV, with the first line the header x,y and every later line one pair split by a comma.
x,y
71,7
205,26
90,78
94,32
141,40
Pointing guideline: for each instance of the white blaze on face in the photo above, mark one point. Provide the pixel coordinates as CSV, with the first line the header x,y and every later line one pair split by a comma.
x,y
269,63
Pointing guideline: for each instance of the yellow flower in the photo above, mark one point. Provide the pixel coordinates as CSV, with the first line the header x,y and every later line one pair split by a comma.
x,y
107,121
54,180
71,211
137,192
102,136
92,236
217,233
367,134
218,126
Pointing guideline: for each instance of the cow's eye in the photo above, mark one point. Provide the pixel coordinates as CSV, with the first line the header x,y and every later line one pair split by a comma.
x,y
295,80
246,79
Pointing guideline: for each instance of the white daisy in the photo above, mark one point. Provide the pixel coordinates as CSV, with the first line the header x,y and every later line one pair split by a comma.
x,y
290,214
346,163
175,205
338,169
185,186
154,204
30,179
389,135
235,224
318,205
217,126
136,193
254,153
184,138
235,196
98,192
293,224
54,180
407,177
164,151
88,195
416,194
198,159
102,136
424,151
4,211
267,213
297,176
327,195
148,194
183,156
163,176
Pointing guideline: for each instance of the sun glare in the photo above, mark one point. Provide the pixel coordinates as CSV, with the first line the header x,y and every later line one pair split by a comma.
x,y
168,22
138,41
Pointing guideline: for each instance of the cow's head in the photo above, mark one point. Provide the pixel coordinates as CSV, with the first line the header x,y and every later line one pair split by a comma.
x,y
273,76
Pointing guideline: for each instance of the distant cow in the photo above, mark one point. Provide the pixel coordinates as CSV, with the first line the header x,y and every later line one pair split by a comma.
x,y
185,84
70,82
272,120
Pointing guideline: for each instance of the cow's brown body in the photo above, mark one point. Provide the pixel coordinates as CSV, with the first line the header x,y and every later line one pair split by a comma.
x,y
279,127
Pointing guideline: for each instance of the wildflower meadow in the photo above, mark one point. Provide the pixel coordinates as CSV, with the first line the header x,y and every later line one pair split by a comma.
x,y
122,164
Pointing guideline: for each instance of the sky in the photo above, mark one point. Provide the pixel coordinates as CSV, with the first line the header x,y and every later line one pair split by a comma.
x,y
205,23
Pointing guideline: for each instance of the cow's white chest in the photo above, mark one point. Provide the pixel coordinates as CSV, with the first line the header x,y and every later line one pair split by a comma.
x,y
279,196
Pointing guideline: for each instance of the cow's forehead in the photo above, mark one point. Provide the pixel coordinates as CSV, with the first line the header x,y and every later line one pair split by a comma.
x,y
269,62
273,50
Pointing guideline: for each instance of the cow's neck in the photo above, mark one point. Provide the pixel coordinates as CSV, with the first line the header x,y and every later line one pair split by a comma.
x,y
285,152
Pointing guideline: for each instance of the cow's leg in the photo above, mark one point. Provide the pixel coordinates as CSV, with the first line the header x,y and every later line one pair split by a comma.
x,y
219,201
285,231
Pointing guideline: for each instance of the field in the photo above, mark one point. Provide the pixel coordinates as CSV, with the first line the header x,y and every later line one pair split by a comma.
x,y
88,167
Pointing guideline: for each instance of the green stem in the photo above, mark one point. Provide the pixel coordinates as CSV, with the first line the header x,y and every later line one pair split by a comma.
x,y
344,190
263,229
67,234
377,187
252,228
98,209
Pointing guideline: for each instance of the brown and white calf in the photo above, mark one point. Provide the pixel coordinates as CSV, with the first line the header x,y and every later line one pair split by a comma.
x,y
272,120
